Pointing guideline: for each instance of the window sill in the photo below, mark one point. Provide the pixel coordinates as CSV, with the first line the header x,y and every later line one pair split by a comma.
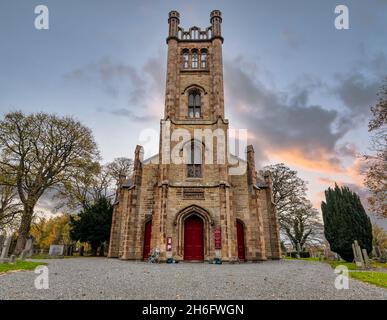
x,y
195,70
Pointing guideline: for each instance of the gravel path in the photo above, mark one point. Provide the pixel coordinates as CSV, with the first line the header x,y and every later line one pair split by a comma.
x,y
99,278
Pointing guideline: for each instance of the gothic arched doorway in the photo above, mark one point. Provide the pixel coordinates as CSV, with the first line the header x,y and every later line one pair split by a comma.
x,y
193,239
241,241
147,239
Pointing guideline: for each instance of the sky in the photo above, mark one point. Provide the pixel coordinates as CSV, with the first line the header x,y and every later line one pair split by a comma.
x,y
301,87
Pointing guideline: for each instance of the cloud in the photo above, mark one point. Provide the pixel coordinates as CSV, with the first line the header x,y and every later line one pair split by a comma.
x,y
357,89
357,93
112,77
129,114
284,124
138,92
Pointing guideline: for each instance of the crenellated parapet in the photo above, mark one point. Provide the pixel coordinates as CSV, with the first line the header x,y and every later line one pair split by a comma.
x,y
195,33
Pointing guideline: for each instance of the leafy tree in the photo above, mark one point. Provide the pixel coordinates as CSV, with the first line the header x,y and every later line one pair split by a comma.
x,y
93,224
379,237
345,221
376,178
41,151
51,231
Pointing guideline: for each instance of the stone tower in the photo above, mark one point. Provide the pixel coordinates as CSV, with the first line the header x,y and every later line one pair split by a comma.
x,y
187,200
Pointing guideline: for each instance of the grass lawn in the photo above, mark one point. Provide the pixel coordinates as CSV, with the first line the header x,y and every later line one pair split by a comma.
x,y
305,259
20,265
46,256
376,278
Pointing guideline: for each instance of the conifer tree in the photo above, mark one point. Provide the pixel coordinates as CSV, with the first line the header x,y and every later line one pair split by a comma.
x,y
345,220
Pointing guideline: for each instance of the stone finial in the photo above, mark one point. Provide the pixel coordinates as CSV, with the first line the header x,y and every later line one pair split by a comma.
x,y
139,154
216,22
137,165
173,21
216,14
174,15
251,172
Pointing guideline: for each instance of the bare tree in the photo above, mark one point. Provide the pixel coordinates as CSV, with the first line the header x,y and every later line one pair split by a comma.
x,y
89,184
120,167
299,222
40,151
302,225
376,178
288,188
85,187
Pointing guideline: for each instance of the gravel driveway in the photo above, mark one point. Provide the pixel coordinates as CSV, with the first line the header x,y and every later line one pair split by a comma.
x,y
99,278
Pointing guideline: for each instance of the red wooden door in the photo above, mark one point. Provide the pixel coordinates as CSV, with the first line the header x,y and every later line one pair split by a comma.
x,y
193,239
147,239
241,241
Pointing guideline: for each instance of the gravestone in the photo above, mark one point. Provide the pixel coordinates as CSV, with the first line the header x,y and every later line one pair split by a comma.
x,y
2,239
56,250
12,259
366,258
28,249
5,250
358,256
378,252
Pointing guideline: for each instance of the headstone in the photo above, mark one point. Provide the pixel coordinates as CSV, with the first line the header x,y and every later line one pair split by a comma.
x,y
359,261
12,259
23,255
378,252
29,247
373,253
366,258
41,251
2,239
5,250
56,250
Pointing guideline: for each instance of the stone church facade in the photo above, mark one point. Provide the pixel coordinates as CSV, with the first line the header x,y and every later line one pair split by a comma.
x,y
199,209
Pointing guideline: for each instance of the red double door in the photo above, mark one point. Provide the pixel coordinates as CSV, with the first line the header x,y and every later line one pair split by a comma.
x,y
193,239
241,241
147,239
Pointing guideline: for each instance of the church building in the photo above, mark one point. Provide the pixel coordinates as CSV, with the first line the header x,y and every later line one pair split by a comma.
x,y
211,204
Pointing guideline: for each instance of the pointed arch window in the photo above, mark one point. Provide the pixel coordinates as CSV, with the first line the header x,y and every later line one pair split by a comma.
x,y
194,166
195,60
203,59
185,59
194,104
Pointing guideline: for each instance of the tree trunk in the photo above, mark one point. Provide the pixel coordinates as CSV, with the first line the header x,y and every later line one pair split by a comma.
x,y
94,248
24,229
102,250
